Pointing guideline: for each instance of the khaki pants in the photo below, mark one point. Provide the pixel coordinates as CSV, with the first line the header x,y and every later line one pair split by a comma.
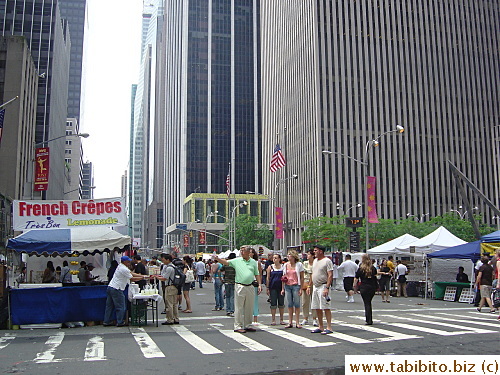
x,y
401,289
243,306
306,305
171,303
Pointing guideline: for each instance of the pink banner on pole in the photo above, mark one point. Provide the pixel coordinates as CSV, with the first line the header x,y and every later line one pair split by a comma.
x,y
371,202
279,222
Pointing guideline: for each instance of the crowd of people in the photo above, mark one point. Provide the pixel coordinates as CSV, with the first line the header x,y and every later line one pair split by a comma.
x,y
305,286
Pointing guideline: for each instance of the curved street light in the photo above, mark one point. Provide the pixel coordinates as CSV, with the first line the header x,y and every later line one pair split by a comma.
x,y
81,135
420,218
366,163
462,215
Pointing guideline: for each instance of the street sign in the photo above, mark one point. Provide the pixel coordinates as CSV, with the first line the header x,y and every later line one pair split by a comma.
x,y
182,226
353,222
354,244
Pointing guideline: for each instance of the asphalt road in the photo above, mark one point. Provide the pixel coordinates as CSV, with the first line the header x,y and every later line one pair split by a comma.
x,y
204,341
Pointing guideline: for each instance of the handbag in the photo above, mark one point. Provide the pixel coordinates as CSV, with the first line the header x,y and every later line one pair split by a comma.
x,y
284,278
495,297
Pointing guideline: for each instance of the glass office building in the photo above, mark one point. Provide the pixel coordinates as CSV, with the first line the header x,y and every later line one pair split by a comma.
x,y
339,74
212,114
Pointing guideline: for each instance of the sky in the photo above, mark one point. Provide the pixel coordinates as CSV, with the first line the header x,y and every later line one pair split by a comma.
x,y
112,60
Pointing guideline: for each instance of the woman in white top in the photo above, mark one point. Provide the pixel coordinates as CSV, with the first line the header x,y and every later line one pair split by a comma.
x,y
293,274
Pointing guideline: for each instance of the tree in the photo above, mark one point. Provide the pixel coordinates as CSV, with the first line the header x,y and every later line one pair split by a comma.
x,y
248,231
332,232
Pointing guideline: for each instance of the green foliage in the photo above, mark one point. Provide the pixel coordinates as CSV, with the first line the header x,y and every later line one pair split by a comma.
x,y
248,232
332,232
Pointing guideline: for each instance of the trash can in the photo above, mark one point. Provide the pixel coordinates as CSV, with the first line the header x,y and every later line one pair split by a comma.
x,y
139,313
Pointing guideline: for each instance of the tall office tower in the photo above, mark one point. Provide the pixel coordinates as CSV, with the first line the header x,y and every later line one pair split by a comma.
x,y
73,153
141,139
132,220
212,114
47,35
339,74
87,181
18,78
75,12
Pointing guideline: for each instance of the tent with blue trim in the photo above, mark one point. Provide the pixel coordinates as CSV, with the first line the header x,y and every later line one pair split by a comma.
x,y
470,250
86,240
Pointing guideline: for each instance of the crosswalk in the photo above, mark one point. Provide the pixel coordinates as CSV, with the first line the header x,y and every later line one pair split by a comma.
x,y
218,338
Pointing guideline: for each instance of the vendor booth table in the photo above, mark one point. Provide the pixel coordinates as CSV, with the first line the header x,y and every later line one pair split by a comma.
x,y
58,305
440,288
148,303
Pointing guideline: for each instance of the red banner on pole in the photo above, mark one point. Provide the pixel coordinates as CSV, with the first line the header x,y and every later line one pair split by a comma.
x,y
186,240
372,204
41,169
279,222
202,238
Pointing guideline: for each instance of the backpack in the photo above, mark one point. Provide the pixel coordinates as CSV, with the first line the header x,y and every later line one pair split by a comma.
x,y
179,277
189,275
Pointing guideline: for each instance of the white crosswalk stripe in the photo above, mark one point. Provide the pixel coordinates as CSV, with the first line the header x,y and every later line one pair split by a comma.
x,y
95,349
195,341
146,343
462,329
287,335
385,330
390,333
489,324
53,342
6,340
247,342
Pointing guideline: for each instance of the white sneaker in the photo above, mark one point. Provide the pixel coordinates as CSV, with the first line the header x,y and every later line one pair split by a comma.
x,y
305,322
351,299
315,323
347,298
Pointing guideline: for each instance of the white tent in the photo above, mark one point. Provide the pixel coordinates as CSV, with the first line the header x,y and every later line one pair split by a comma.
x,y
389,248
440,239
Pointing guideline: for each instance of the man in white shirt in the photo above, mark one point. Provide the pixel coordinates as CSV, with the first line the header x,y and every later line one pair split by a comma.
x,y
115,300
200,271
400,274
349,268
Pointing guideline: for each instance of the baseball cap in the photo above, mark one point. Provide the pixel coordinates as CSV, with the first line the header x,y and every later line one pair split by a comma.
x,y
125,258
320,247
90,265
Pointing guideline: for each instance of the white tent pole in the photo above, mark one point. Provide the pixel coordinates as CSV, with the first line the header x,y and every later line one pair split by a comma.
x,y
426,278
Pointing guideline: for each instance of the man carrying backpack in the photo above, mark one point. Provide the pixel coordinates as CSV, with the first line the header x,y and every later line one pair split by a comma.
x,y
168,275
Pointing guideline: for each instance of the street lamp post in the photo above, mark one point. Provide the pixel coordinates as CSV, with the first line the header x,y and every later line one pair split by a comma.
x,y
232,224
462,215
366,163
82,135
420,218
273,199
339,207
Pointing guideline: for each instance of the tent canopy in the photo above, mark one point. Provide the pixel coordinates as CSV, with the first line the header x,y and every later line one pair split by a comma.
x,y
46,242
471,250
492,237
440,239
389,248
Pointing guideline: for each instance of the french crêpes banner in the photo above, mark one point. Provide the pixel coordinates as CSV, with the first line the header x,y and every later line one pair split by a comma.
x,y
69,214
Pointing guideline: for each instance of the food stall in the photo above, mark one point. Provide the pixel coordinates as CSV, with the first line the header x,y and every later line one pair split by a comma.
x,y
67,303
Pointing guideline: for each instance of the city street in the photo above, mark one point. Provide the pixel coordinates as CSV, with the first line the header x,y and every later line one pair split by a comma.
x,y
204,341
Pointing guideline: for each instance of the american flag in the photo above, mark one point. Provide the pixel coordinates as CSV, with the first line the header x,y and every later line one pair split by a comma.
x,y
2,115
228,184
277,160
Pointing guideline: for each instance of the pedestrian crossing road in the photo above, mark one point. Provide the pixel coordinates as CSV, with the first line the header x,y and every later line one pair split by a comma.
x,y
216,337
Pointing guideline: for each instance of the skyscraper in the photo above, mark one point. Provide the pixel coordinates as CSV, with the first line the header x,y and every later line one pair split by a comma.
x,y
47,36
339,74
75,12
212,98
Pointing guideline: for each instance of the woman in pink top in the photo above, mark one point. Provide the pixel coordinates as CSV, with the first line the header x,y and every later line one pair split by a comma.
x,y
293,274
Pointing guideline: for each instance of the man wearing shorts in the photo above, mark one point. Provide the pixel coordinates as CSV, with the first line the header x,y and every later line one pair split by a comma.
x,y
349,269
319,285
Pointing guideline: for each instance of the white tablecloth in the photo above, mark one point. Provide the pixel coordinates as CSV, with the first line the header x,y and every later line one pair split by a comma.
x,y
154,297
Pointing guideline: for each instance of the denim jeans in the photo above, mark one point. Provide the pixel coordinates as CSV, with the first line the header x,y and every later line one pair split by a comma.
x,y
115,301
229,298
200,280
219,298
277,300
292,295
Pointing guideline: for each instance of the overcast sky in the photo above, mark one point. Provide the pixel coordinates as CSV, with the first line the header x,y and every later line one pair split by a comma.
x,y
111,67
